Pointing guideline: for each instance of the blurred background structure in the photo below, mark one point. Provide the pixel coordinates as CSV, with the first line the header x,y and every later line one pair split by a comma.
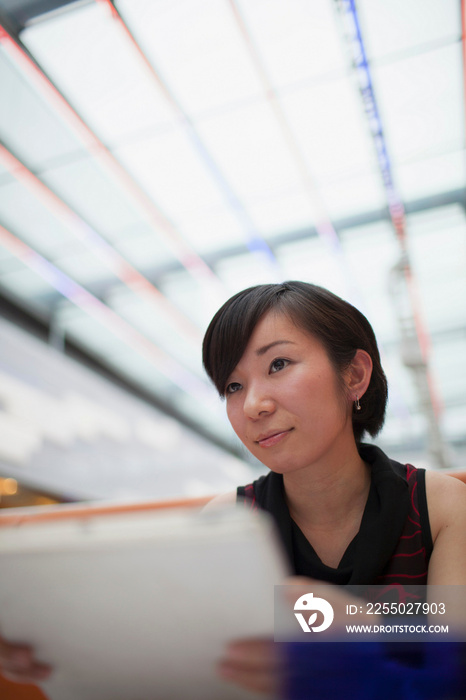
x,y
157,156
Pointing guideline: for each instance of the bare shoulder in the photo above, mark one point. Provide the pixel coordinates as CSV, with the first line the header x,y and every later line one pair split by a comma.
x,y
223,499
446,500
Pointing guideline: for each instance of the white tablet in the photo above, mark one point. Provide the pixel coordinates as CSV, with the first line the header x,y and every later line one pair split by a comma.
x,y
137,604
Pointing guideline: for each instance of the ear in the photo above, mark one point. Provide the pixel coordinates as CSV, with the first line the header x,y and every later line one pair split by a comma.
x,y
359,375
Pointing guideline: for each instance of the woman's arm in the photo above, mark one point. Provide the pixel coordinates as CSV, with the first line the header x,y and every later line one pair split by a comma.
x,y
446,501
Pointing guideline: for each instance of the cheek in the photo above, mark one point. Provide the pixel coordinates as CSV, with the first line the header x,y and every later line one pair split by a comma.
x,y
234,416
305,388
317,396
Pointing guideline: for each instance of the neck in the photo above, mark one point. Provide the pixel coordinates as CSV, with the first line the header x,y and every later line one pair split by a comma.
x,y
327,494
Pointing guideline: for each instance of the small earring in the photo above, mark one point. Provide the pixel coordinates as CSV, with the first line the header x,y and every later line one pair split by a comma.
x,y
357,405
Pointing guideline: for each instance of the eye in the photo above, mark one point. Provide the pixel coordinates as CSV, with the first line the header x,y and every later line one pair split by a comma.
x,y
232,388
278,364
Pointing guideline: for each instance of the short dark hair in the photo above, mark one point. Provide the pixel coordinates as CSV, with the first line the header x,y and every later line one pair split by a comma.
x,y
338,325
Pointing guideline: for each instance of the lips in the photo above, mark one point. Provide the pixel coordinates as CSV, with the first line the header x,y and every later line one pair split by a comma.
x,y
272,437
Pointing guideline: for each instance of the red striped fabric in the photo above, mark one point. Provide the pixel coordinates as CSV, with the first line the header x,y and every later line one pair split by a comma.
x,y
250,497
409,560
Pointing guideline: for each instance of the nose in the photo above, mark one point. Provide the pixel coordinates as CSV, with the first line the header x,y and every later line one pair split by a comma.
x,y
258,402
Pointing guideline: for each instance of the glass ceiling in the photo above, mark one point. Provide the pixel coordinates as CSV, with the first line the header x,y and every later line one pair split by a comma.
x,y
158,156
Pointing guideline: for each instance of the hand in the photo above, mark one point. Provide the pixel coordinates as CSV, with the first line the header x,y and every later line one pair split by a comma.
x,y
17,663
257,664
254,664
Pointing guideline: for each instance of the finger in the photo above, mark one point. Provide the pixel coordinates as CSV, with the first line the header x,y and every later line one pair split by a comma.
x,y
18,654
252,652
17,663
265,680
33,674
254,664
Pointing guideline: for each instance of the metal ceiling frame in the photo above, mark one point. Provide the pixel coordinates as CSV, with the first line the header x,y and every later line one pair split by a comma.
x,y
187,256
324,227
21,13
254,241
414,335
201,267
463,47
92,306
370,217
97,245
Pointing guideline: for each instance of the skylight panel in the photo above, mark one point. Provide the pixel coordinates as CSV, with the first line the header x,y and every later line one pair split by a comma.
x,y
143,248
297,41
28,125
390,27
241,271
438,311
214,230
169,169
428,176
249,147
230,172
91,61
421,103
83,267
328,125
374,249
450,216
312,261
197,48
438,247
142,373
34,223
281,214
351,196
157,327
91,193
99,342
27,286
8,263
5,176
194,301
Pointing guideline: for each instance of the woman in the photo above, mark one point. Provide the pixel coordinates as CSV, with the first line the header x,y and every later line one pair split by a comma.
x,y
300,371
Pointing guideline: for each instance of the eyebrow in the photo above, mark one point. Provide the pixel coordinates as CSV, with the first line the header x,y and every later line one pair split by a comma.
x,y
264,348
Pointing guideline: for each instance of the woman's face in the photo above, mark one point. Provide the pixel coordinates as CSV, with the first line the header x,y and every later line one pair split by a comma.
x,y
284,399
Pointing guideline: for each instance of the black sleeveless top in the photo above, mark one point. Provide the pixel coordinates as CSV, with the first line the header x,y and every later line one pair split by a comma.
x,y
394,542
